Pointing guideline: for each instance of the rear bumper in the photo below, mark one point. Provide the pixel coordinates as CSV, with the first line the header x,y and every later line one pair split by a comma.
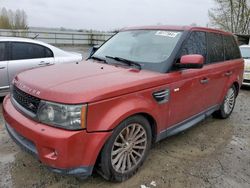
x,y
63,151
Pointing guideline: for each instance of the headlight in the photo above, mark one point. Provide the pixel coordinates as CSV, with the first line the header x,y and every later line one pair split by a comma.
x,y
70,117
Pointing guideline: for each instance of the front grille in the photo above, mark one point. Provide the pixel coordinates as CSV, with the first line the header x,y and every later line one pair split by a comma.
x,y
27,101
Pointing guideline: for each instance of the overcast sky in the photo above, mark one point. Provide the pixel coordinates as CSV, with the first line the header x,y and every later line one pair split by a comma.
x,y
111,14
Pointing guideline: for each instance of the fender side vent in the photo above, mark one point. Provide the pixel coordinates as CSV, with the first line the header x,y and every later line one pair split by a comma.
x,y
161,96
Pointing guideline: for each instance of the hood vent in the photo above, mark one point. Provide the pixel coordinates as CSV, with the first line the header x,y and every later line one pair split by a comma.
x,y
161,96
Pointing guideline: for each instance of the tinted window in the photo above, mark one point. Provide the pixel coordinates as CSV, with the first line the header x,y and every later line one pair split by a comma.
x,y
215,48
195,44
231,48
22,50
48,53
2,51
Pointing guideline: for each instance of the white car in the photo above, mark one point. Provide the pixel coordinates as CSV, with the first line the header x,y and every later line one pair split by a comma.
x,y
245,52
19,54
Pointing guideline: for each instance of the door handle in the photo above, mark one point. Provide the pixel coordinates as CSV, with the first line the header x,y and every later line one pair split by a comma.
x,y
204,80
228,73
42,63
2,67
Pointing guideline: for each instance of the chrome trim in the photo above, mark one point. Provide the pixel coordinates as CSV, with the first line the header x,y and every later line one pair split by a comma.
x,y
4,87
161,93
161,96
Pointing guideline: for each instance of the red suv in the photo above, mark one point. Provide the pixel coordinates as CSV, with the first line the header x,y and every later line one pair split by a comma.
x,y
141,86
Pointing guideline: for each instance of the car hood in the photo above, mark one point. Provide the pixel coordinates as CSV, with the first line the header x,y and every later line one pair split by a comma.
x,y
84,82
75,54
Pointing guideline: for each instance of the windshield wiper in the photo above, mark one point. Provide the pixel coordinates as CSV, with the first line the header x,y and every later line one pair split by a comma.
x,y
126,61
98,59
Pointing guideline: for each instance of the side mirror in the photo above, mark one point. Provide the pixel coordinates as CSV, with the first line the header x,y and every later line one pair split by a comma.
x,y
92,50
193,61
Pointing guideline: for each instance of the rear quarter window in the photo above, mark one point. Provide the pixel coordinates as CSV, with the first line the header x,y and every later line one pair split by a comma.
x,y
2,51
48,53
231,48
22,50
215,47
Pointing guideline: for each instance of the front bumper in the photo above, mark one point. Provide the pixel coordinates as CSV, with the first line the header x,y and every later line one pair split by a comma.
x,y
63,151
246,79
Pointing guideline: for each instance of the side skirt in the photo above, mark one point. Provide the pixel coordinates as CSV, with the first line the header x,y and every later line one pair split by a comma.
x,y
186,124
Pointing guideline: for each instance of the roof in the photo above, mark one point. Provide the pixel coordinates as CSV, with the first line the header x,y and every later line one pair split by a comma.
x,y
20,39
176,28
55,50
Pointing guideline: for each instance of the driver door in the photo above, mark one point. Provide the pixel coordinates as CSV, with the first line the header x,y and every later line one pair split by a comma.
x,y
4,81
188,90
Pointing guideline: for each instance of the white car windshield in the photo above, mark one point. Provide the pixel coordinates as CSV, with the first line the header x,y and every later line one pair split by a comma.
x,y
245,52
141,46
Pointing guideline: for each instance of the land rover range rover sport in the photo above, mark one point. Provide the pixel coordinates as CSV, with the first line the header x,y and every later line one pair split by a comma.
x,y
142,85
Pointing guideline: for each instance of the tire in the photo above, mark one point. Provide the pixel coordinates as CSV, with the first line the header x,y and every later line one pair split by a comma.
x,y
228,104
126,149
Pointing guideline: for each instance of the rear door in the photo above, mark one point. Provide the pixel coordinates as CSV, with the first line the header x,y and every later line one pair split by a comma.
x,y
4,81
27,56
221,57
215,69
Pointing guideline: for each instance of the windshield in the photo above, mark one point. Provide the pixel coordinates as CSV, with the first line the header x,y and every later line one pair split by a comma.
x,y
141,46
245,52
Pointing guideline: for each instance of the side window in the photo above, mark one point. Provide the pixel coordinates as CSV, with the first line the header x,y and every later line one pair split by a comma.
x,y
231,48
48,53
2,51
215,48
195,44
22,50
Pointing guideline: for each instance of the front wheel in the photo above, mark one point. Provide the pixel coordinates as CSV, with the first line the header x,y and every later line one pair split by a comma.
x,y
228,104
126,149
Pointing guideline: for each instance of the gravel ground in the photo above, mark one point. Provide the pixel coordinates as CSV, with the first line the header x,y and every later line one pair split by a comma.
x,y
215,153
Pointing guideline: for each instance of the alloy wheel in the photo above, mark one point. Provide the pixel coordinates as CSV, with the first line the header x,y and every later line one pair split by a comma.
x,y
129,148
229,101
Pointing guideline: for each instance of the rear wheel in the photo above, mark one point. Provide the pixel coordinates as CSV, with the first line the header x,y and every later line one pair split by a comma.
x,y
228,104
126,149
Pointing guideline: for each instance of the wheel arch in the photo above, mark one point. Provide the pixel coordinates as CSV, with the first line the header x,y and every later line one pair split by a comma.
x,y
153,127
237,87
152,123
233,82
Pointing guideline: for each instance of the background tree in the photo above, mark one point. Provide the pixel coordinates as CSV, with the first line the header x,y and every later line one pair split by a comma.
x,y
231,15
13,19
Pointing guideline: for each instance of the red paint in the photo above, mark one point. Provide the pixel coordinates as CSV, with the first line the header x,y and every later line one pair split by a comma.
x,y
113,94
192,59
73,148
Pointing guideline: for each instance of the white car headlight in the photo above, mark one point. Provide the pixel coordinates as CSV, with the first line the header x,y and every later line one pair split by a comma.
x,y
70,117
